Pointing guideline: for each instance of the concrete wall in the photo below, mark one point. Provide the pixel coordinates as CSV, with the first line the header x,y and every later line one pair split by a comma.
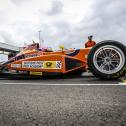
x,y
3,58
7,47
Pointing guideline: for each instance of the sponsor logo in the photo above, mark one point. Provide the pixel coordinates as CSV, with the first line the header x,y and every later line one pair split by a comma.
x,y
13,71
35,73
42,64
32,64
52,65
22,72
16,65
30,55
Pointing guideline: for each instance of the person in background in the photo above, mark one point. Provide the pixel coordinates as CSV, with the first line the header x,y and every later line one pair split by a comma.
x,y
90,43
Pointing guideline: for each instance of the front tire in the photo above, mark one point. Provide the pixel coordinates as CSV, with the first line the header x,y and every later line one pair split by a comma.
x,y
107,60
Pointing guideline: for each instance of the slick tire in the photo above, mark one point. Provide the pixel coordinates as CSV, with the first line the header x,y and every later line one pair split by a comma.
x,y
107,60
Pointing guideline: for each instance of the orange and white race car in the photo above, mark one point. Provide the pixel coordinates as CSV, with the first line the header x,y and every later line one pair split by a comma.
x,y
106,60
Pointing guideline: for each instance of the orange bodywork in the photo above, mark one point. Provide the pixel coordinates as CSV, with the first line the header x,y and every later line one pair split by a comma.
x,y
51,62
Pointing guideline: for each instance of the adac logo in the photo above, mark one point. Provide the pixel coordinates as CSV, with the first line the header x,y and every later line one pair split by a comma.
x,y
48,64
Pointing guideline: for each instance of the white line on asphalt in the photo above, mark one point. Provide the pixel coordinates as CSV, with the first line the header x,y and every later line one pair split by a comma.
x,y
51,84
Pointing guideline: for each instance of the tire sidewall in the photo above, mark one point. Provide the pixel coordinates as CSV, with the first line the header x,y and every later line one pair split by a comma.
x,y
96,72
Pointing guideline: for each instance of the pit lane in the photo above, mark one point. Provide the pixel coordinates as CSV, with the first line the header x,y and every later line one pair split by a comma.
x,y
70,101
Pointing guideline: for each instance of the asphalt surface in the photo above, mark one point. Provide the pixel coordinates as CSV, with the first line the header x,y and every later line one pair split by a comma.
x,y
56,102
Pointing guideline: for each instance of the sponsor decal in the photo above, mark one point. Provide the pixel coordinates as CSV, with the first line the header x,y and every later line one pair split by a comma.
x,y
52,65
32,64
13,71
30,55
22,72
35,73
16,65
42,64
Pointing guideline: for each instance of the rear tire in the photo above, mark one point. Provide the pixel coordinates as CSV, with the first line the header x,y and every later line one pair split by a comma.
x,y
107,60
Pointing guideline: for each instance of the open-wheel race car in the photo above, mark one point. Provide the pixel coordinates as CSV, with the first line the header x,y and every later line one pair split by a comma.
x,y
106,60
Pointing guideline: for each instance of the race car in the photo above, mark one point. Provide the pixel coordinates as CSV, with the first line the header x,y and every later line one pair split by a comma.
x,y
106,60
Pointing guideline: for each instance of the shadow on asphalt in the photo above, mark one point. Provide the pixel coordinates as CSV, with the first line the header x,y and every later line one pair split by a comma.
x,y
41,77
61,79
